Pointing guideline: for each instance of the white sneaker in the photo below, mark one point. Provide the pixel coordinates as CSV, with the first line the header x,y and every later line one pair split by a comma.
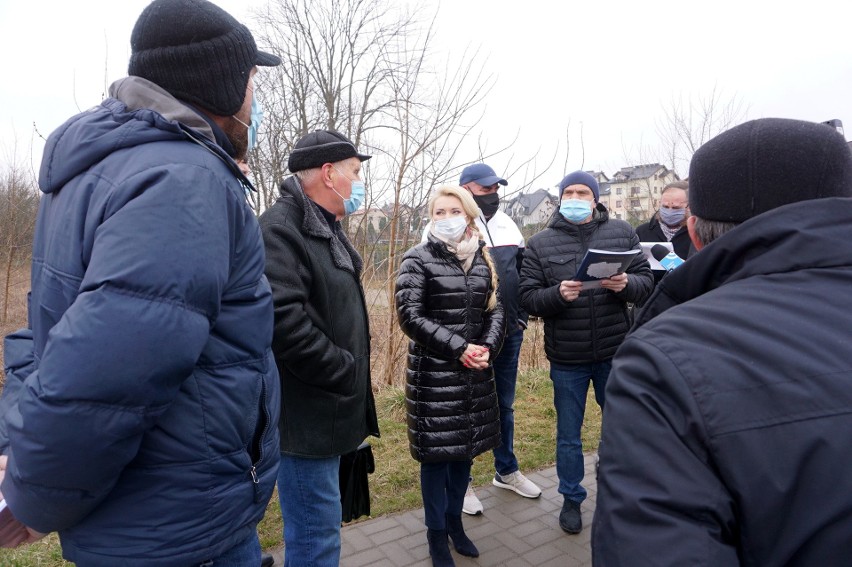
x,y
472,506
518,483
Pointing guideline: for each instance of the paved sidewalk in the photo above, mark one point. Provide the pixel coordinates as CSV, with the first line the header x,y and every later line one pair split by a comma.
x,y
513,531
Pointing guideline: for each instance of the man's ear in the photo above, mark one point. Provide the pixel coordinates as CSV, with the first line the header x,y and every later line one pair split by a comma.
x,y
326,173
690,228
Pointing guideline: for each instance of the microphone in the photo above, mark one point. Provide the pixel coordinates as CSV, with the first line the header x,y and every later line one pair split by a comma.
x,y
668,260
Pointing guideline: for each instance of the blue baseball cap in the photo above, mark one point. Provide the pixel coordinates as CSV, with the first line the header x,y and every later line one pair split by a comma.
x,y
481,174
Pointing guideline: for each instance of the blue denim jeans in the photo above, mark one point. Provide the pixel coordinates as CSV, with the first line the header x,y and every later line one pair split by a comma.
x,y
570,387
505,379
442,486
309,491
247,552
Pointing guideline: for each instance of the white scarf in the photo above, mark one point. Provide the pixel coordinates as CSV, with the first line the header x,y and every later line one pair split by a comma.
x,y
465,249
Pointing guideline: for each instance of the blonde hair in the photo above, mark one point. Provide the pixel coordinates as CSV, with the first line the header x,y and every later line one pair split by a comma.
x,y
470,209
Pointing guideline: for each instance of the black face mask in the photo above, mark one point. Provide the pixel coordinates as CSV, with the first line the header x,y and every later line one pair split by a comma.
x,y
488,204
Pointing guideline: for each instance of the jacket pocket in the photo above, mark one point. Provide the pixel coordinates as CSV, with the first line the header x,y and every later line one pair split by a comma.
x,y
561,268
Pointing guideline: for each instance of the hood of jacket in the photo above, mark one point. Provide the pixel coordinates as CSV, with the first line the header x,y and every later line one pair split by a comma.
x,y
137,112
798,236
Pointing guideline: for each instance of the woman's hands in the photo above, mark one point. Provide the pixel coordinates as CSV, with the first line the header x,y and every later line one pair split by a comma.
x,y
475,357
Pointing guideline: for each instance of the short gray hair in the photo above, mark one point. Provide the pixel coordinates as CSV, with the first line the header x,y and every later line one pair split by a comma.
x,y
709,230
304,175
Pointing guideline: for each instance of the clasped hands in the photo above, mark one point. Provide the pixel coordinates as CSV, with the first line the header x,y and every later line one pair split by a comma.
x,y
475,357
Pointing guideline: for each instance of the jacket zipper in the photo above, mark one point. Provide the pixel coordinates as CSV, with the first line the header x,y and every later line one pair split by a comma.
x,y
257,442
591,298
468,300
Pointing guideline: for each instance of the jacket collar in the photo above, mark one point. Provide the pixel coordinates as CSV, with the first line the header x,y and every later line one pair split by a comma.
x,y
137,93
656,223
343,254
798,236
441,249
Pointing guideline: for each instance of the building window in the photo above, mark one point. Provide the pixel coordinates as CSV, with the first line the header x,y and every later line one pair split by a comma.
x,y
634,203
618,203
618,191
635,191
656,190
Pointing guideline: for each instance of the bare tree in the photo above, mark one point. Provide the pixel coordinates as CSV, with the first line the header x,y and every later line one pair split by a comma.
x,y
366,69
19,198
334,74
689,121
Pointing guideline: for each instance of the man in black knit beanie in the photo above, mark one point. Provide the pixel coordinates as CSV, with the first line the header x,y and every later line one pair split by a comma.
x,y
730,403
140,404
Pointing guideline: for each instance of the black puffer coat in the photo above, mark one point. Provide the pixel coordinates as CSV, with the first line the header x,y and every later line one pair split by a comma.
x,y
590,328
452,410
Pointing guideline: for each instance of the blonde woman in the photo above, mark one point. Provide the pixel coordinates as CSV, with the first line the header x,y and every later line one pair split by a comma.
x,y
446,298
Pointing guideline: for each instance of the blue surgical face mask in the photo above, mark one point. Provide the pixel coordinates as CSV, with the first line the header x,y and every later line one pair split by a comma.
x,y
672,217
254,123
353,203
451,228
575,210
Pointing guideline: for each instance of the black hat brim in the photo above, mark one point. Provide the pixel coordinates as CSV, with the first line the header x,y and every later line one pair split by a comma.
x,y
267,59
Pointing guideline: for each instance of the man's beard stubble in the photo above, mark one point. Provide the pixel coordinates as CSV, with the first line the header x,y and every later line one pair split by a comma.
x,y
237,134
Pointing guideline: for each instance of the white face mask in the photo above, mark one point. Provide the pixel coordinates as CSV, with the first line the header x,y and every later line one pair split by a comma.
x,y
451,228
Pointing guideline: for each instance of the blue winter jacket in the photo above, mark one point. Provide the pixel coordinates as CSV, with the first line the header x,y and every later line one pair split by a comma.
x,y
145,432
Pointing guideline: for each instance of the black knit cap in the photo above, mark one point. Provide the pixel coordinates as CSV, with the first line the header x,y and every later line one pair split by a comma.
x,y
766,163
197,52
320,147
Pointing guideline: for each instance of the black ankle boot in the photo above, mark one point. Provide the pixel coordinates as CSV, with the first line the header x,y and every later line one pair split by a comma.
x,y
439,548
461,542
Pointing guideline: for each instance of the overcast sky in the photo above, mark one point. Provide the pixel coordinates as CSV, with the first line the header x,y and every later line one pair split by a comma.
x,y
608,68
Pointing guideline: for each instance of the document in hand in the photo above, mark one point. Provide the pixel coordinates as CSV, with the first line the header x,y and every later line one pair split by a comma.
x,y
598,265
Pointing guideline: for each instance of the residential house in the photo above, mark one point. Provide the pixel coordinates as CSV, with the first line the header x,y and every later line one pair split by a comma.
x,y
370,222
531,208
633,193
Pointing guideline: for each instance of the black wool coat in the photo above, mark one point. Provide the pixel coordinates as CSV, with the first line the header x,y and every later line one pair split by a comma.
x,y
590,328
321,339
452,410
